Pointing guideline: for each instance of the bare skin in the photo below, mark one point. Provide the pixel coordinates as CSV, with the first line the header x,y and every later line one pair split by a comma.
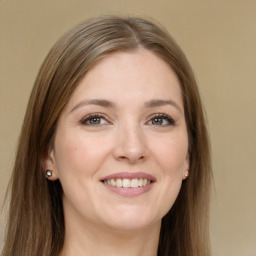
x,y
124,124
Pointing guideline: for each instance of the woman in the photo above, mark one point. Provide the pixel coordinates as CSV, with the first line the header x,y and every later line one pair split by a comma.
x,y
113,157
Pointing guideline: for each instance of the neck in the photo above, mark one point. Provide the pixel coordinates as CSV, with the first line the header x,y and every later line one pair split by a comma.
x,y
92,240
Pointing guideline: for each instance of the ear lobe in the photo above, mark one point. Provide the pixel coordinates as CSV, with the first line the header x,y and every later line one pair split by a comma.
x,y
49,166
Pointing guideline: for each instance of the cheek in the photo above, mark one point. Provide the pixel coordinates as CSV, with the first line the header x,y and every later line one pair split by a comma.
x,y
77,159
171,154
171,157
76,155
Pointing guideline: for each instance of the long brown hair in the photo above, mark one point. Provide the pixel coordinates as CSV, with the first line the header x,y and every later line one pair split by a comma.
x,y
36,223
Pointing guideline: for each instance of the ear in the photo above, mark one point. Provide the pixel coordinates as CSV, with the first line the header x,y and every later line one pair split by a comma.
x,y
49,164
186,167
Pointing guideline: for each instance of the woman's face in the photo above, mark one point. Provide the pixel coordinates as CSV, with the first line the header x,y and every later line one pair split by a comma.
x,y
121,144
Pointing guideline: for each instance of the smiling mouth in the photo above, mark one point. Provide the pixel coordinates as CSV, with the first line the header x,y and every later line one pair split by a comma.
x,y
127,183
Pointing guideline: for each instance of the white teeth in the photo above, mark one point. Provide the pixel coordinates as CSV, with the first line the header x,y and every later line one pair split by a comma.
x,y
134,183
127,183
119,183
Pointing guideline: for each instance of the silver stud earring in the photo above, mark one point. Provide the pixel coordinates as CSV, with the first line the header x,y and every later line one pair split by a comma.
x,y
48,174
186,175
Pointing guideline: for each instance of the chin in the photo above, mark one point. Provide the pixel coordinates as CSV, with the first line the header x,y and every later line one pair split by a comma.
x,y
132,219
131,225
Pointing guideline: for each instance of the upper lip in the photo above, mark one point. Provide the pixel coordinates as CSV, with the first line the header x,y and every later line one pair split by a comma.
x,y
129,175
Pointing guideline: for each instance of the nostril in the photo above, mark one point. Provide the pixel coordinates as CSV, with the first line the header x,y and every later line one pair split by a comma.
x,y
130,146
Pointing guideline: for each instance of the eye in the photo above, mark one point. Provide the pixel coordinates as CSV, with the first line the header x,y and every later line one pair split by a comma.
x,y
94,120
161,120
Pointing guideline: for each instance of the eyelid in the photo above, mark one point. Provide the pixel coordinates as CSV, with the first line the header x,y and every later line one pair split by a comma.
x,y
94,115
164,116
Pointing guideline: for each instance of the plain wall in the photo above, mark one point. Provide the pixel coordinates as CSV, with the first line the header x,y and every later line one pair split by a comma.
x,y
219,39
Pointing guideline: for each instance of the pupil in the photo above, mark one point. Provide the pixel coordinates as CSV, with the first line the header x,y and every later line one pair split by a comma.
x,y
158,121
95,120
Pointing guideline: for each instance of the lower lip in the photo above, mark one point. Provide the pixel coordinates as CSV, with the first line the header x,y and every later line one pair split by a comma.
x,y
130,192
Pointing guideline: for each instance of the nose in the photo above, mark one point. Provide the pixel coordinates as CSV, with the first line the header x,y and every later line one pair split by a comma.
x,y
130,145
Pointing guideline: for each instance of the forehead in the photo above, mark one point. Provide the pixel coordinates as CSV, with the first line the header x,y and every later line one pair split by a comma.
x,y
120,76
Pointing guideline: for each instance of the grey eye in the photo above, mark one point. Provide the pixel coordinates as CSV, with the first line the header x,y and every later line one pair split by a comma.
x,y
161,120
94,120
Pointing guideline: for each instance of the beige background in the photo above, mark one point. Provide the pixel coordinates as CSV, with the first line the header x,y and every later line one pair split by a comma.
x,y
219,38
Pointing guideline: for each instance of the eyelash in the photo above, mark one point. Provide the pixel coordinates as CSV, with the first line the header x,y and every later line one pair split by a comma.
x,y
161,116
91,117
169,119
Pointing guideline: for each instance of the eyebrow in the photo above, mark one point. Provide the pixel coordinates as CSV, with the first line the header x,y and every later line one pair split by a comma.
x,y
98,102
109,104
159,103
